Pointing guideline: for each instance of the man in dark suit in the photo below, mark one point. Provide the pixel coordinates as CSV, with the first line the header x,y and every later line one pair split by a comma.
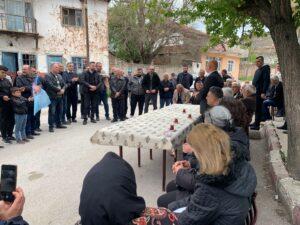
x,y
91,88
185,78
213,79
55,88
71,79
274,99
261,81
151,84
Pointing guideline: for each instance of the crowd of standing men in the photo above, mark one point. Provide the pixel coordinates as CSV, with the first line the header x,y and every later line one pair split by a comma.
x,y
63,87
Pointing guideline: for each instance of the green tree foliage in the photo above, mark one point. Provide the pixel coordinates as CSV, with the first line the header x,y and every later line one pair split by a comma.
x,y
236,21
139,28
231,21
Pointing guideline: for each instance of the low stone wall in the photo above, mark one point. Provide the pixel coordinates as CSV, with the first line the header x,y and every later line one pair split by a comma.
x,y
287,188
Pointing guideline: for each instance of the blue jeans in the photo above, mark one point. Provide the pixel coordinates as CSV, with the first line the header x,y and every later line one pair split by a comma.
x,y
165,101
20,126
266,112
55,112
103,98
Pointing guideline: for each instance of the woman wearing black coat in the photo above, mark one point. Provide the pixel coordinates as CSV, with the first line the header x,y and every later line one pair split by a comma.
x,y
166,91
223,185
184,183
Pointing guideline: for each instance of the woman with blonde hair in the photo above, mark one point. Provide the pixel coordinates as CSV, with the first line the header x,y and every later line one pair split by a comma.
x,y
223,184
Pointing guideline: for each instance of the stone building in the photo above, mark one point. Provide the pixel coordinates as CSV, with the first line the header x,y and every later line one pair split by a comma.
x,y
40,32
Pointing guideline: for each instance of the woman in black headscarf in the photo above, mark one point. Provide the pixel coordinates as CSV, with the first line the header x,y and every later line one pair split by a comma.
x,y
109,195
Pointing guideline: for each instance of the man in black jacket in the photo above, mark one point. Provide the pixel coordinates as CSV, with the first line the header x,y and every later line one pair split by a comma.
x,y
151,84
71,80
55,88
213,79
91,88
6,110
261,81
225,76
118,91
25,82
185,78
275,98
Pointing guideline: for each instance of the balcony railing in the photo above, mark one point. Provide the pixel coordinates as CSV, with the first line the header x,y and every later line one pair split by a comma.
x,y
21,24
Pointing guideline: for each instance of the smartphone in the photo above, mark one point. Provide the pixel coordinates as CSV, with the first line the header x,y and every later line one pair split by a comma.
x,y
8,182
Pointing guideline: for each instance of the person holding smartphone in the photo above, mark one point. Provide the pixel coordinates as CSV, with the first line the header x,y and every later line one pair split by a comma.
x,y
11,213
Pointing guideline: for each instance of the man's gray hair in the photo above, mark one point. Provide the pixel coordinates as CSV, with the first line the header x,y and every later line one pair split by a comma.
x,y
250,88
275,78
218,116
227,92
55,63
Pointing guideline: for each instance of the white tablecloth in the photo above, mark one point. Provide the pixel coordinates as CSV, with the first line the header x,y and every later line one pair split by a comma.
x,y
151,130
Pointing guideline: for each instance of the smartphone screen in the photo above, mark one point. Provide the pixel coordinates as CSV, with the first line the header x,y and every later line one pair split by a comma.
x,y
8,182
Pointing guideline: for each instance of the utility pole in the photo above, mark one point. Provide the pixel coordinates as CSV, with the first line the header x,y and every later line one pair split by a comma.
x,y
86,24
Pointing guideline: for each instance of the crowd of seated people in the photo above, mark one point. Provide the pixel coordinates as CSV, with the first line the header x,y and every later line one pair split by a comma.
x,y
213,183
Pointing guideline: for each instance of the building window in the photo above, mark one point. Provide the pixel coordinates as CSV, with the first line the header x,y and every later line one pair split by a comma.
x,y
230,66
53,59
72,17
78,64
208,59
29,60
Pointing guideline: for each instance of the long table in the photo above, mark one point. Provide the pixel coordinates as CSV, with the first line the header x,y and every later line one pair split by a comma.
x,y
151,131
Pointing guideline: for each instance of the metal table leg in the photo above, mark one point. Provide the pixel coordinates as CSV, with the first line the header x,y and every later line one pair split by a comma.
x,y
175,155
164,165
121,151
139,157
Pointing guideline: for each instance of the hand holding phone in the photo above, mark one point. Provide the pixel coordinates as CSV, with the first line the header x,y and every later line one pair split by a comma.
x,y
8,182
11,210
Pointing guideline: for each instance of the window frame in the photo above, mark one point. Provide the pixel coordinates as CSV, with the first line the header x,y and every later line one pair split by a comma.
x,y
76,16
76,69
29,60
228,65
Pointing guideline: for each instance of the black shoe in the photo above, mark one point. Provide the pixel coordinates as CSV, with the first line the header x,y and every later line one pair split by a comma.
x,y
51,130
61,127
64,123
93,121
38,130
85,122
74,121
1,146
114,120
6,141
107,118
11,138
30,137
35,134
123,119
97,119
26,140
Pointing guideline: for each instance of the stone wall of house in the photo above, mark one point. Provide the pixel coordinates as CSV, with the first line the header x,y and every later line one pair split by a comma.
x,y
61,40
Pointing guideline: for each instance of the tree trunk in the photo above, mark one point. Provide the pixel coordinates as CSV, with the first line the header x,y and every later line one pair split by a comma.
x,y
288,52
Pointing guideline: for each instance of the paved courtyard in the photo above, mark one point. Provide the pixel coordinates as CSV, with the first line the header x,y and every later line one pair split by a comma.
x,y
51,169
